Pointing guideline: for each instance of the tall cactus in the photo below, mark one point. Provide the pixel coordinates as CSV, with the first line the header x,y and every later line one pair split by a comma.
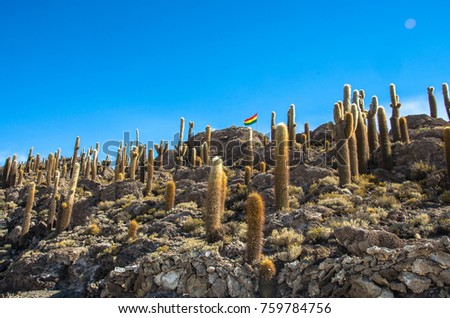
x,y
206,150
142,155
273,126
446,98
53,202
181,149
37,163
447,150
352,143
75,154
404,133
372,126
94,164
26,218
214,204
249,156
20,179
432,102
12,174
255,215
133,161
308,135
29,159
49,169
362,95
344,129
386,152
67,205
363,144
161,150
191,130
281,168
395,104
117,169
5,172
150,171
291,126
347,98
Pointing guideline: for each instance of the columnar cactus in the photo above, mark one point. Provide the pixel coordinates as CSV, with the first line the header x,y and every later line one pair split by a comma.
x,y
94,164
385,143
304,141
206,151
248,175
26,218
291,126
347,101
150,170
363,144
87,172
53,202
447,150
273,126
57,158
39,177
181,149
395,104
193,159
161,150
49,169
117,169
214,204
249,157
308,135
372,126
37,163
132,230
344,129
352,143
191,130
75,154
29,159
262,167
133,161
67,205
83,163
267,272
281,168
432,102
12,174
255,216
362,94
446,98
20,179
404,133
170,195
5,172
142,155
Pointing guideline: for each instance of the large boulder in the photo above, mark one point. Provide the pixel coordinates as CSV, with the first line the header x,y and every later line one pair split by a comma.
x,y
119,189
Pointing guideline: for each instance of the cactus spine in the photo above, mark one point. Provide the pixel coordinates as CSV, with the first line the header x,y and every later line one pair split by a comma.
x,y
267,272
52,207
395,104
170,195
26,219
75,154
281,168
386,152
150,170
404,133
344,129
432,102
214,204
446,98
134,156
67,205
447,150
273,126
255,215
372,126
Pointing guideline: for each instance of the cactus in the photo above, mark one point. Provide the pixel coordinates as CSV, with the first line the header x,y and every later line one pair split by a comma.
x,y
161,150
304,141
67,205
170,195
87,171
83,163
142,155
432,102
39,177
346,101
273,126
206,150
181,149
117,169
224,191
132,230
262,167
267,272
193,159
5,172
12,174
248,175
52,207
395,104
281,168
362,94
134,156
64,170
291,126
363,144
308,135
352,143
446,98
447,150
57,158
255,215
191,130
214,204
20,179
198,162
94,164
249,157
344,129
49,169
404,133
37,163
372,126
385,143
26,218
150,170
29,159
75,154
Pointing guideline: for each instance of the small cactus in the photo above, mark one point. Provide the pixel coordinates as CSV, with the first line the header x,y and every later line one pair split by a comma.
x,y
132,230
404,133
386,152
281,168
267,272
248,175
26,219
170,195
255,215
262,167
66,214
432,102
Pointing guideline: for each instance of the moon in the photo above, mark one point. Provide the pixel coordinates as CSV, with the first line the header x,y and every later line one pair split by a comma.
x,y
410,24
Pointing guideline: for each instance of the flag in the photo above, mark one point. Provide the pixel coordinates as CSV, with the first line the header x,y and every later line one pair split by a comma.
x,y
251,120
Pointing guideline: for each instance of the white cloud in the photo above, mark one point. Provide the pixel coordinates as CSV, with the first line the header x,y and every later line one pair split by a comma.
x,y
5,154
415,105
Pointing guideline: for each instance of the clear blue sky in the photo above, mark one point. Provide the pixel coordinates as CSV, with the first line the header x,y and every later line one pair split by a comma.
x,y
99,68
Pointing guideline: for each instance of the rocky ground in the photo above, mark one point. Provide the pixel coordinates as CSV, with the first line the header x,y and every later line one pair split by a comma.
x,y
385,235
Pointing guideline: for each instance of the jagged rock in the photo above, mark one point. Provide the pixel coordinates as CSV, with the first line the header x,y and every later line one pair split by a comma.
x,y
362,287
196,286
442,258
170,280
423,267
14,236
198,174
422,121
119,189
219,288
191,191
357,240
415,282
304,175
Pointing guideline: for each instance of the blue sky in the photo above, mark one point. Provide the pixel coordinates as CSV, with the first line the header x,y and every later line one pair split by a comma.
x,y
99,68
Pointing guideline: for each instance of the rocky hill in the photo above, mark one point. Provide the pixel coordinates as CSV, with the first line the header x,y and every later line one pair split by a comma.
x,y
383,234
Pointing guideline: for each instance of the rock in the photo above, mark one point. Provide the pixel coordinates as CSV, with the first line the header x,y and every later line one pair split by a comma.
x,y
415,282
66,255
444,276
361,287
358,240
304,175
14,236
119,189
423,267
189,190
234,288
422,121
170,280
196,286
442,258
198,174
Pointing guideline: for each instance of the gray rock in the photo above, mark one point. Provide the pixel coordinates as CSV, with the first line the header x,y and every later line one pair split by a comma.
x,y
170,280
415,282
361,287
442,258
423,267
197,286
14,236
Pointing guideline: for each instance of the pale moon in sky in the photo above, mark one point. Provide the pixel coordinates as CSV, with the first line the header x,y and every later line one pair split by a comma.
x,y
410,23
